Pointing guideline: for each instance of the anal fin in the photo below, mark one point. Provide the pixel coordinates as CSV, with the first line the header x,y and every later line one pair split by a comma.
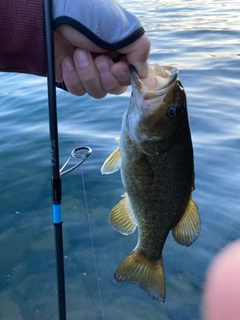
x,y
188,228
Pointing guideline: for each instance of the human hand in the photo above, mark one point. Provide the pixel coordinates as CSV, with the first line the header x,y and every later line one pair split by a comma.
x,y
87,68
221,300
95,41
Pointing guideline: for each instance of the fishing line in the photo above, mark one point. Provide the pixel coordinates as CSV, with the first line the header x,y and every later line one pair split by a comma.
x,y
92,244
87,209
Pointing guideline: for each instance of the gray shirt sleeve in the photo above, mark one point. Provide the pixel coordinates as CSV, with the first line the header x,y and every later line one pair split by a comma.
x,y
104,22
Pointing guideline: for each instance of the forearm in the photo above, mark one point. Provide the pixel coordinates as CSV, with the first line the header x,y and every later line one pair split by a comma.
x,y
22,38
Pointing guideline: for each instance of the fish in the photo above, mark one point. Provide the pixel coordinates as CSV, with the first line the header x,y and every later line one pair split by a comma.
x,y
155,157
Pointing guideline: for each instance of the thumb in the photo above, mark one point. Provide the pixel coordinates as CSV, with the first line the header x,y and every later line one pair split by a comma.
x,y
137,54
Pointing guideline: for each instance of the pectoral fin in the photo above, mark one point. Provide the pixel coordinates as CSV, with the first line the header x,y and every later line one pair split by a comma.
x,y
188,228
121,218
113,162
149,275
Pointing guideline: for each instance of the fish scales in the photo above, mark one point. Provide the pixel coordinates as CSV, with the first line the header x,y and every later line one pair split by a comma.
x,y
157,204
156,160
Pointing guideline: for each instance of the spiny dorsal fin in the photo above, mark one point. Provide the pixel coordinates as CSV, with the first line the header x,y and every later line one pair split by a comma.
x,y
149,275
188,228
113,162
121,218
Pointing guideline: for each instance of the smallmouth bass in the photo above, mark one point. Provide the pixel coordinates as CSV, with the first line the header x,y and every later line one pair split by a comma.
x,y
155,156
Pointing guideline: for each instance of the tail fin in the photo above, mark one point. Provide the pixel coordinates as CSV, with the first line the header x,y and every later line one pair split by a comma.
x,y
149,275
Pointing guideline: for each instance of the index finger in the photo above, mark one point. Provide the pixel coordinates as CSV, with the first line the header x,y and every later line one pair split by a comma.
x,y
137,54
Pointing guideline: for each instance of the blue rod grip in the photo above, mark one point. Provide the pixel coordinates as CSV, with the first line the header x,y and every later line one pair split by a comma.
x,y
57,212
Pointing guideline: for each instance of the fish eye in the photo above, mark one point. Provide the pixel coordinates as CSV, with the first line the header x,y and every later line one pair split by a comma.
x,y
172,111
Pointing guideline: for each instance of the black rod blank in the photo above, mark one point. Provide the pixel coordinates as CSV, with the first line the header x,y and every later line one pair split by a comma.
x,y
56,179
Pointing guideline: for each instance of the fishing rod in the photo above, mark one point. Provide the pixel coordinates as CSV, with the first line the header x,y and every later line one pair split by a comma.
x,y
81,153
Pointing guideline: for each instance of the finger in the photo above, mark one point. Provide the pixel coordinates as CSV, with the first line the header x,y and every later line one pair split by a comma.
x,y
137,54
71,78
108,81
77,39
120,71
88,73
222,296
62,50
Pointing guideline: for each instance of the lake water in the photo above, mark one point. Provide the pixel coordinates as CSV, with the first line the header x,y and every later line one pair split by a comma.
x,y
201,39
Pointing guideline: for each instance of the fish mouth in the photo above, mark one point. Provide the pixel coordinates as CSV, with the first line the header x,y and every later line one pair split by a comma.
x,y
160,79
148,104
134,79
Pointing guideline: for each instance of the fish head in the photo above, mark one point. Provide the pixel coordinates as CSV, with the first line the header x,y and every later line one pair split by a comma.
x,y
157,108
